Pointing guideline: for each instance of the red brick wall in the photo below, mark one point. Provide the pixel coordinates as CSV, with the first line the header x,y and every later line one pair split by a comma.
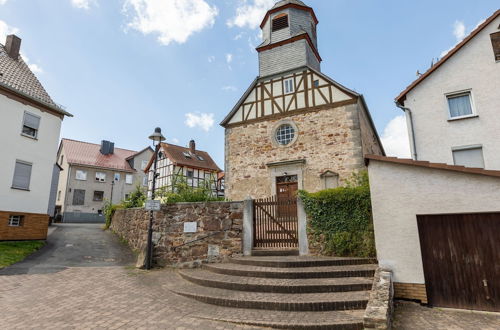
x,y
34,226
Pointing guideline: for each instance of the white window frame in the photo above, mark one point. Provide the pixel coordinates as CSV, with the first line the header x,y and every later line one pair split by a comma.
x,y
145,181
471,147
129,179
15,220
117,177
36,130
289,86
81,175
460,93
100,177
144,164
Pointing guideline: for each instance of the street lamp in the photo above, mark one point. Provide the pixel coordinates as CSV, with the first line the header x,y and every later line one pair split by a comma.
x,y
156,137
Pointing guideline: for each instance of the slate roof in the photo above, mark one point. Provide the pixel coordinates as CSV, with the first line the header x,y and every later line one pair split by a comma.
x,y
402,96
17,77
176,154
88,154
286,2
439,166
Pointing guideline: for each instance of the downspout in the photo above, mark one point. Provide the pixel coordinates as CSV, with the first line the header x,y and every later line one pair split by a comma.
x,y
412,131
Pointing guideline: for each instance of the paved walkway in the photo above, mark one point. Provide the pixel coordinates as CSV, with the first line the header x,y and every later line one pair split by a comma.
x,y
410,315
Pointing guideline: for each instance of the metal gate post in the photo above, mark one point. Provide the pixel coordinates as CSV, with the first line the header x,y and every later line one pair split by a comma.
x,y
248,234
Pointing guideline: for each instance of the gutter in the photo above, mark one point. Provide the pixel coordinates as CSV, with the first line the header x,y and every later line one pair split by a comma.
x,y
408,113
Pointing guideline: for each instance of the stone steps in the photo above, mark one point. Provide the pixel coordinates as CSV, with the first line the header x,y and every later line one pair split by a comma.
x,y
276,285
275,301
296,261
366,270
275,252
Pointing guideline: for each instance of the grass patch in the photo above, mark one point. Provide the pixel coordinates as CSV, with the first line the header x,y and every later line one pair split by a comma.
x,y
12,252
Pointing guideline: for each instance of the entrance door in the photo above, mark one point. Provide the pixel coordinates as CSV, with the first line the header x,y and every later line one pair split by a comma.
x,y
461,258
286,190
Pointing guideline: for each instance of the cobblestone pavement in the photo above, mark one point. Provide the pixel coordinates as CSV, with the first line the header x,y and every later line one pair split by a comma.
x,y
410,315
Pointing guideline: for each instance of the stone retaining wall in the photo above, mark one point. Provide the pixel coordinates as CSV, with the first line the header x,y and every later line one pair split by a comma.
x,y
218,232
378,313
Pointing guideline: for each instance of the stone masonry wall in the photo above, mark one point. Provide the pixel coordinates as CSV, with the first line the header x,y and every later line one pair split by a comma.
x,y
327,139
219,228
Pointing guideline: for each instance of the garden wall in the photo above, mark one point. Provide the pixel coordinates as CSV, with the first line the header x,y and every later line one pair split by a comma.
x,y
218,232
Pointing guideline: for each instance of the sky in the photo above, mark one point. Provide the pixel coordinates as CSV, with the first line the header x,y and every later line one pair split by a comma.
x,y
124,67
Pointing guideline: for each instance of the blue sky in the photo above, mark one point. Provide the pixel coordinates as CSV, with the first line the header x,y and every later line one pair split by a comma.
x,y
124,67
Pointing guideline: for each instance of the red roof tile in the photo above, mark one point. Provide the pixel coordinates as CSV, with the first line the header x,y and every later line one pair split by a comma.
x,y
89,154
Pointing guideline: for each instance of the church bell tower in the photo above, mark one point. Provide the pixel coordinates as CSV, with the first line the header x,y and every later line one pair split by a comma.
x,y
289,38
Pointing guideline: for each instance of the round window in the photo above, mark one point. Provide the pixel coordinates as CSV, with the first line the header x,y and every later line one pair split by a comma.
x,y
285,134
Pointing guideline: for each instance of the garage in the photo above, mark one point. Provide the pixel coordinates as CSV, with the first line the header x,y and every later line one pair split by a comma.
x,y
461,259
437,227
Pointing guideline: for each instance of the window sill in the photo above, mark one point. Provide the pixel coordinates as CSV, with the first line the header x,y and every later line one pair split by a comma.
x,y
463,117
17,188
29,137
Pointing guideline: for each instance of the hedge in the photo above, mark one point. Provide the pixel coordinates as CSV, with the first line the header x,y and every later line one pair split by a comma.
x,y
340,220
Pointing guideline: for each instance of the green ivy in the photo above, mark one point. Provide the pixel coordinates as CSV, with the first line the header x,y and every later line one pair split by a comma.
x,y
340,219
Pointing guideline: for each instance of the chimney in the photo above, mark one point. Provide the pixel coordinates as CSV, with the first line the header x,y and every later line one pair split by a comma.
x,y
12,46
107,147
192,146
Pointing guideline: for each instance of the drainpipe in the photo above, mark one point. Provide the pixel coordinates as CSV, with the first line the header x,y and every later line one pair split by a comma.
x,y
412,131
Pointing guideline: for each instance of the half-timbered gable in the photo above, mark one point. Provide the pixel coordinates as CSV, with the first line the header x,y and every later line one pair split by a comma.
x,y
294,128
175,164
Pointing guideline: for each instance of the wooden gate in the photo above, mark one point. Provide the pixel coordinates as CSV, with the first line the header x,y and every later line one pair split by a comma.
x,y
275,223
461,259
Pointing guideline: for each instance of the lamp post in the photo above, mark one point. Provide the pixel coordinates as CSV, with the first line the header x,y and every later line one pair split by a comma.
x,y
156,137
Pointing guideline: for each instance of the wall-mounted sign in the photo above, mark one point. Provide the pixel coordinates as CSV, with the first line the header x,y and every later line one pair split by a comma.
x,y
213,250
190,227
152,205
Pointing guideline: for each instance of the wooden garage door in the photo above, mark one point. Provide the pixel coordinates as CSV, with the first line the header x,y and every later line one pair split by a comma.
x,y
461,258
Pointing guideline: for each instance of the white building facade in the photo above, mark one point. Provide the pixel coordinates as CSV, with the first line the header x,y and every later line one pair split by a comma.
x,y
454,106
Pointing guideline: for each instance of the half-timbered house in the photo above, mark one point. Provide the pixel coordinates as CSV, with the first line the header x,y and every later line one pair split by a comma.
x,y
294,127
180,164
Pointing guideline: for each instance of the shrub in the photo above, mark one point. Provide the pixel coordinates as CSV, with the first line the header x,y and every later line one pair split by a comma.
x,y
182,192
340,218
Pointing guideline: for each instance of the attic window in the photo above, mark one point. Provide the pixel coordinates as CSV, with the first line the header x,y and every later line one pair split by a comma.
x,y
186,154
495,42
200,158
280,22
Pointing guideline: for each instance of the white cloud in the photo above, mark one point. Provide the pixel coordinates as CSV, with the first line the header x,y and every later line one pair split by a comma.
x,y
229,58
172,20
229,88
2,2
5,30
175,140
459,30
238,36
250,14
33,66
205,121
395,138
83,4
211,59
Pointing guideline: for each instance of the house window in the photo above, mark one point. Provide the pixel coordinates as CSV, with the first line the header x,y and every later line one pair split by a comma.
x,y
59,195
78,197
289,88
145,181
200,158
99,176
127,196
190,173
280,22
330,180
22,175
117,176
81,175
460,105
468,156
285,134
31,123
16,220
495,42
62,158
98,196
186,154
316,83
144,164
129,178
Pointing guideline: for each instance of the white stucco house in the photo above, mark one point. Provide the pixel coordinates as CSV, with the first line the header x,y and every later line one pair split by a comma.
x,y
452,109
437,216
29,130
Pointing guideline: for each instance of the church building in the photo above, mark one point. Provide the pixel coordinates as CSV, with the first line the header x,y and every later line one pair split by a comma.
x,y
294,127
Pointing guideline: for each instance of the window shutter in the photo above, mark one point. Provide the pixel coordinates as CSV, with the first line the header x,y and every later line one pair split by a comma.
x,y
495,42
22,175
469,157
280,22
31,121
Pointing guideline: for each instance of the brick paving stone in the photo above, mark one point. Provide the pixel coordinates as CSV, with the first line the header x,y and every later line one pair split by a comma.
x,y
413,316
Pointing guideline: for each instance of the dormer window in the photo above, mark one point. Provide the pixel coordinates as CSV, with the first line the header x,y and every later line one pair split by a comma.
x,y
280,22
186,154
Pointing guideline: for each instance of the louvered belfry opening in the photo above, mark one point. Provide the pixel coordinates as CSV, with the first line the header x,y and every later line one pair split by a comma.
x,y
280,22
